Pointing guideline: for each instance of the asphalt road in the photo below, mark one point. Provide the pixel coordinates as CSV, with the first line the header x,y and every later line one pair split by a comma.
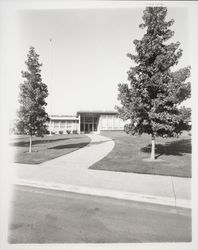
x,y
47,216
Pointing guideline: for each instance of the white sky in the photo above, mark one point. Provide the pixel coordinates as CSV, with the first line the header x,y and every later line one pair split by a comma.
x,y
88,52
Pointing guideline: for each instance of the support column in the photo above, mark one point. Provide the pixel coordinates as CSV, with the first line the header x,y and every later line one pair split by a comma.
x,y
93,124
50,126
99,124
79,124
84,123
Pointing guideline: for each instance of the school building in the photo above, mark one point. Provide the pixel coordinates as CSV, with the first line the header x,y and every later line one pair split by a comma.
x,y
85,122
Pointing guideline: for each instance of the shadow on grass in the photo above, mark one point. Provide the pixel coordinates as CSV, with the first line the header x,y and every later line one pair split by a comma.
x,y
36,142
76,145
98,142
170,148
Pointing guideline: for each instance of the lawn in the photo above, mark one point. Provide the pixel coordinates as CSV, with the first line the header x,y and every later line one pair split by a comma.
x,y
46,148
173,155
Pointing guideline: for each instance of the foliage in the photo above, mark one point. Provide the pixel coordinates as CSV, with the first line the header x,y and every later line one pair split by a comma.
x,y
186,117
150,102
32,116
186,113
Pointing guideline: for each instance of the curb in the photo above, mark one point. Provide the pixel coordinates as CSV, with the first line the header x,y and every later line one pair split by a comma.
x,y
167,201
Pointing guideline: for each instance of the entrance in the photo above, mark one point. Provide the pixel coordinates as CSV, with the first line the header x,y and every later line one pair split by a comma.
x,y
88,128
88,124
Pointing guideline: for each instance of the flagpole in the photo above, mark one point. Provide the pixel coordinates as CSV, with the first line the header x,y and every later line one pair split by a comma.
x,y
50,81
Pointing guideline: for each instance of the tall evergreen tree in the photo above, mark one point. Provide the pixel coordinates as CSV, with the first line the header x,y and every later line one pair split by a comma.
x,y
32,116
150,102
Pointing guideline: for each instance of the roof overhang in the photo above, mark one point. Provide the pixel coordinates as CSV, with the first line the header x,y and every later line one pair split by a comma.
x,y
96,112
63,117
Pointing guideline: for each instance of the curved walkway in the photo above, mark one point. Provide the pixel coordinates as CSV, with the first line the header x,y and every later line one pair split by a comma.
x,y
68,168
71,173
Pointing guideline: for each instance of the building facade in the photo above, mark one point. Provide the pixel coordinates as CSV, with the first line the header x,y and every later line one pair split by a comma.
x,y
86,122
63,124
97,121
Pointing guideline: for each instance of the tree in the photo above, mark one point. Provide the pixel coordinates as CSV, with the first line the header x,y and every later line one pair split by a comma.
x,y
150,102
32,116
186,116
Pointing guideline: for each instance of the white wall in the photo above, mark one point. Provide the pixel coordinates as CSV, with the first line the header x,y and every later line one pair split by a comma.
x,y
110,122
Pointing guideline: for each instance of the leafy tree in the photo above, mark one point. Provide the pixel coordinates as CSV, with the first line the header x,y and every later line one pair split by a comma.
x,y
32,116
150,102
186,116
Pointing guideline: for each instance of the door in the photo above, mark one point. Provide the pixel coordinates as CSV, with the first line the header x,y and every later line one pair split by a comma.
x,y
86,128
90,127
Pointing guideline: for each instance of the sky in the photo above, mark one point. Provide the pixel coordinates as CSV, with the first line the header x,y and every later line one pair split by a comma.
x,y
87,57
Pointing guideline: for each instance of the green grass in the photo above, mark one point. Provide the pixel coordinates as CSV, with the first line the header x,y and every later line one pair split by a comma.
x,y
173,155
46,148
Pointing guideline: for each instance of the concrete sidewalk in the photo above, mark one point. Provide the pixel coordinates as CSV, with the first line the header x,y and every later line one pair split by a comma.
x,y
71,173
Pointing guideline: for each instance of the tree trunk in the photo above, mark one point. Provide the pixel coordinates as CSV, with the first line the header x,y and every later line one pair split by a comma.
x,y
30,147
153,148
50,126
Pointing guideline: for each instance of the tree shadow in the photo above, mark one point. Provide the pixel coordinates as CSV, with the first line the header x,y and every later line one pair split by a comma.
x,y
25,143
76,145
170,148
98,142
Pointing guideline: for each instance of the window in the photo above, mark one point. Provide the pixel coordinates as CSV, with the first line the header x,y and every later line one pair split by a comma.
x,y
109,121
82,127
62,124
69,124
88,119
56,124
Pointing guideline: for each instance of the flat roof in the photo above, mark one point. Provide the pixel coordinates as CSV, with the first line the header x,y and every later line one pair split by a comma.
x,y
105,112
63,117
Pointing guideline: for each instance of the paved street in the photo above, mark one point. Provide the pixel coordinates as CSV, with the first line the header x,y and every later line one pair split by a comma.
x,y
47,216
